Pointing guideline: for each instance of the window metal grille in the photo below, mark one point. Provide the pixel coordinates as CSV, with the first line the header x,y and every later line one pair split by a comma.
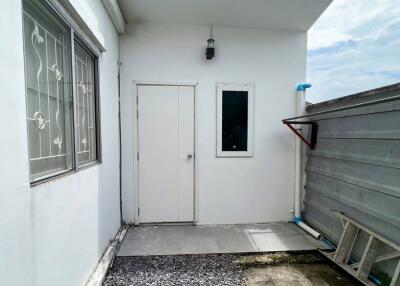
x,y
50,102
86,105
49,112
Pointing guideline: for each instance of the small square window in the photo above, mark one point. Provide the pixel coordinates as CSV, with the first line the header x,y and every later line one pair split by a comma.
x,y
235,120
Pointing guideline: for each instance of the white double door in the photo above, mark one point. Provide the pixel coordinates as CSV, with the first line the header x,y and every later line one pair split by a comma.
x,y
166,153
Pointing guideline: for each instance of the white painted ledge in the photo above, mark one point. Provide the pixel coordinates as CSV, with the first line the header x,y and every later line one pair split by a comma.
x,y
115,14
82,20
99,274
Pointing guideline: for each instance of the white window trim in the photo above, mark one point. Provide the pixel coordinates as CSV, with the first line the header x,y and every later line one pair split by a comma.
x,y
250,88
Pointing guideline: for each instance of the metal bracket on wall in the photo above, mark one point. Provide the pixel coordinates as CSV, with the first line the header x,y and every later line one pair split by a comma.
x,y
314,131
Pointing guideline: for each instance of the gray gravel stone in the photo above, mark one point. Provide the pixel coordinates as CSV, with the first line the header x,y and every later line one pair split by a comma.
x,y
210,269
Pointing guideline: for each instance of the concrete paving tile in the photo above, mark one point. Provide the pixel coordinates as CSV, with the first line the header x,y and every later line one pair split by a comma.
x,y
233,240
135,247
200,240
185,239
278,228
265,241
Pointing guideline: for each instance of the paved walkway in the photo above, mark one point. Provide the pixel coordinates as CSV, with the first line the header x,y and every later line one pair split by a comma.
x,y
188,239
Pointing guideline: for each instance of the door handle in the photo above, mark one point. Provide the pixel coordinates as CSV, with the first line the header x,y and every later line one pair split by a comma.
x,y
189,156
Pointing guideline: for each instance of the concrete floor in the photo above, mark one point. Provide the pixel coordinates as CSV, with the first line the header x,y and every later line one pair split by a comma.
x,y
297,275
189,239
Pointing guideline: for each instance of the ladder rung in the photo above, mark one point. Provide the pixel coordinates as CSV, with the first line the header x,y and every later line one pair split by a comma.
x,y
368,258
396,275
387,256
346,243
354,265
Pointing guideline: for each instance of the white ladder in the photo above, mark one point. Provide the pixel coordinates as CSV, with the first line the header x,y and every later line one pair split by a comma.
x,y
361,269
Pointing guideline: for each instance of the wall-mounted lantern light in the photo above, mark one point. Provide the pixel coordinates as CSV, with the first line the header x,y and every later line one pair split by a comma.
x,y
210,51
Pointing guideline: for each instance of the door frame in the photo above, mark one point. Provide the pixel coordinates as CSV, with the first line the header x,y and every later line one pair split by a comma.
x,y
135,94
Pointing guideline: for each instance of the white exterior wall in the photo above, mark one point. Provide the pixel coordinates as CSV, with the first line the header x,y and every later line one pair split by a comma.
x,y
228,190
54,233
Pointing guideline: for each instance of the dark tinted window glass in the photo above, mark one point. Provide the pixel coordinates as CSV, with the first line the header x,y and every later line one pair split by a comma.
x,y
234,120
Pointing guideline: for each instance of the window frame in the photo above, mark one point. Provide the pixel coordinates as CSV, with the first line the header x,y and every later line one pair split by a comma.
x,y
77,36
250,88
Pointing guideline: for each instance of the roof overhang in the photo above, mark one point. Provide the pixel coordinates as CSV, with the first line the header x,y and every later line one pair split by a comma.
x,y
115,14
264,14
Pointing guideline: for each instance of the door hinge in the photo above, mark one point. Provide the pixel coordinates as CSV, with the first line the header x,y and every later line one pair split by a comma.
x,y
137,156
138,211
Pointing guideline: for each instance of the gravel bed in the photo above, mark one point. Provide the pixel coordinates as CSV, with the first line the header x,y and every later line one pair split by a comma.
x,y
210,269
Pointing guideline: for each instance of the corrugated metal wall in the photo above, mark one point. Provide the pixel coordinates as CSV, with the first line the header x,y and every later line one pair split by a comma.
x,y
355,167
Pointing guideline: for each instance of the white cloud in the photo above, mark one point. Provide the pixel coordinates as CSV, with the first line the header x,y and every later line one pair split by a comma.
x,y
354,46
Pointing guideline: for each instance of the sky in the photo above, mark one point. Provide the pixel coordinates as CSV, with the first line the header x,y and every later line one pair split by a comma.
x,y
354,46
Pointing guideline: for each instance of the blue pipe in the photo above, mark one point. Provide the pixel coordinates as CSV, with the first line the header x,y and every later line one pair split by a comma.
x,y
297,219
303,86
372,277
330,244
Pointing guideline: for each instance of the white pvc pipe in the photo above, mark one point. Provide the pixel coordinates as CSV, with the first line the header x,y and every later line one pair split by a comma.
x,y
308,229
300,107
297,193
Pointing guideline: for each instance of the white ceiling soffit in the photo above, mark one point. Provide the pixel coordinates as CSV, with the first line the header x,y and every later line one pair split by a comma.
x,y
115,14
274,14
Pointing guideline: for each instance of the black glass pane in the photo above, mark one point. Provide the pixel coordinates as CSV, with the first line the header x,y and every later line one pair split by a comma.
x,y
234,120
